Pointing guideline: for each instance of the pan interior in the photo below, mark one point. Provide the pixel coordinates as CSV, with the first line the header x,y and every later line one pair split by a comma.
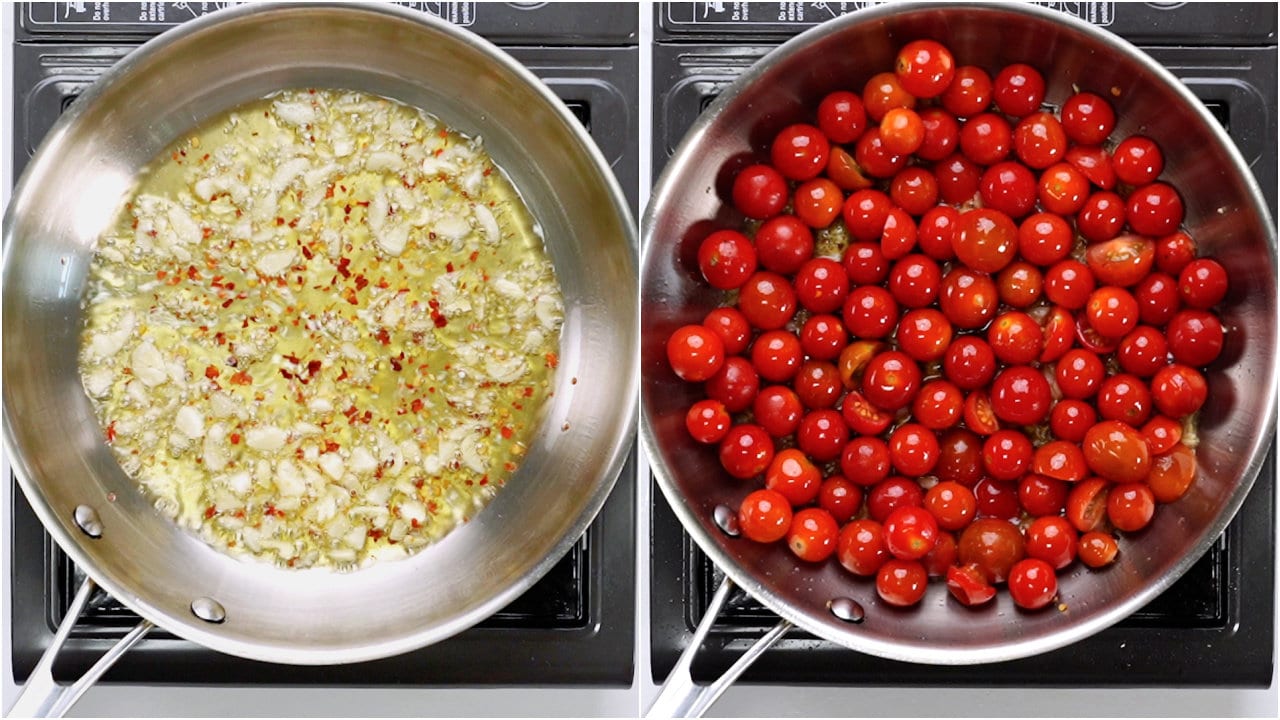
x,y
1225,213
69,196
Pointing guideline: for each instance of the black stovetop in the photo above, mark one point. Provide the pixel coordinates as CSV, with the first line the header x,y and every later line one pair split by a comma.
x,y
1215,626
576,625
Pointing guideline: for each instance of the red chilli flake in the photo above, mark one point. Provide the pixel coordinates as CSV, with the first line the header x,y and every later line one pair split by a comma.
x,y
235,438
553,360
241,378
111,432
211,372
506,432
210,511
416,405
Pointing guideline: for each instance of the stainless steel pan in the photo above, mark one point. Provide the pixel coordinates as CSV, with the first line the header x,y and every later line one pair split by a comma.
x,y
70,194
1225,213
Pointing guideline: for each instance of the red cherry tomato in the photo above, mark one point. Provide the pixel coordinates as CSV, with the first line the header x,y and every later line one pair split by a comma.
x,y
1130,506
1137,160
783,244
969,92
764,516
818,384
891,380
1044,239
1021,395
1154,209
901,131
778,410
1179,390
1019,90
817,202
1042,496
1122,261
1097,549
1195,337
910,532
901,582
1172,473
1060,460
841,117
695,353
1101,216
1202,283
865,460
799,152
822,435
727,258
986,139
735,385
823,337
732,327
1006,454
1062,189
767,300
938,406
882,93
959,457
792,475
1116,452
1039,140
707,421
1032,584
812,535
840,497
969,586
1094,163
1015,338
892,493
969,299
1008,187
986,240
913,449
952,505
776,355
746,451
993,546
860,547
925,68
1087,119
1087,505
759,192
862,417
821,285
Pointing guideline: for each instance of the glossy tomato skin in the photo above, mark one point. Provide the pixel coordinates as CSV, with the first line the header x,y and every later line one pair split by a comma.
x,y
822,435
986,139
902,582
925,68
1060,460
913,449
727,258
1179,390
914,190
993,546
1021,395
1154,209
870,312
821,285
924,334
1087,119
865,460
1125,397
1137,160
1018,90
957,178
891,380
841,116
1015,338
1008,187
892,493
969,92
1174,252
1070,419
1087,504
764,516
1042,496
910,532
778,410
1079,374
915,280
941,134
746,451
865,263
735,384
1172,473
759,192
1006,454
1122,261
1053,540
959,457
800,151
1039,140
860,547
707,421
1032,584
985,240
783,244
952,505
901,131
996,499
1195,337
767,300
840,497
818,384
817,202
1094,163
732,326
695,353
938,406
882,93
1101,216
1097,549
861,416
823,337
776,355
875,158
812,535
969,586
1157,296
1117,452
793,476
1069,283
1202,283
1130,506
1062,189
969,298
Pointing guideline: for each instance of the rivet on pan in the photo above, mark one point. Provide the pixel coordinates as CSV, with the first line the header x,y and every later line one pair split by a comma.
x,y
87,520
726,519
208,610
847,610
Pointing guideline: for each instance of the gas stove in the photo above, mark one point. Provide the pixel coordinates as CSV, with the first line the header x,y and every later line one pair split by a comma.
x,y
1216,626
574,627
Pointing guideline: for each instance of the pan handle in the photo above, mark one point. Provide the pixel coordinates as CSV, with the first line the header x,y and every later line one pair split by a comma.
x,y
680,695
42,696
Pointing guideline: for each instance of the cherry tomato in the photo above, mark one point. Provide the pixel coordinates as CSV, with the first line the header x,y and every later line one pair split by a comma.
x,y
986,240
1039,140
854,359
817,202
767,300
1062,189
1008,187
938,406
978,413
997,499
986,139
1094,163
1137,160
901,582
893,493
913,449
1059,334
727,258
1112,312
1020,395
959,457
1157,296
695,353
957,178
870,312
925,68
1042,496
764,516
1087,119
792,475
1179,390
823,337
915,281
1143,352
1020,284
818,384
953,505
1006,454
799,152
735,385
1122,261
969,586
1172,473
1060,460
993,546
901,131
778,410
899,236
746,451
1161,434
844,170
1154,209
969,92
841,116
1125,397
1097,549
942,557
1018,90
732,327
1087,505
941,134
969,299
1044,239
776,355
821,285
860,547
875,159
1116,452
1015,338
1069,283
914,190
865,460
936,228
882,93
1101,216
1071,419
759,192
707,421
1202,283
861,416
783,244
1032,584
1195,337
865,263
891,380
910,533
864,214
840,497
1174,252
822,435
1089,339
924,334
812,535
1130,506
